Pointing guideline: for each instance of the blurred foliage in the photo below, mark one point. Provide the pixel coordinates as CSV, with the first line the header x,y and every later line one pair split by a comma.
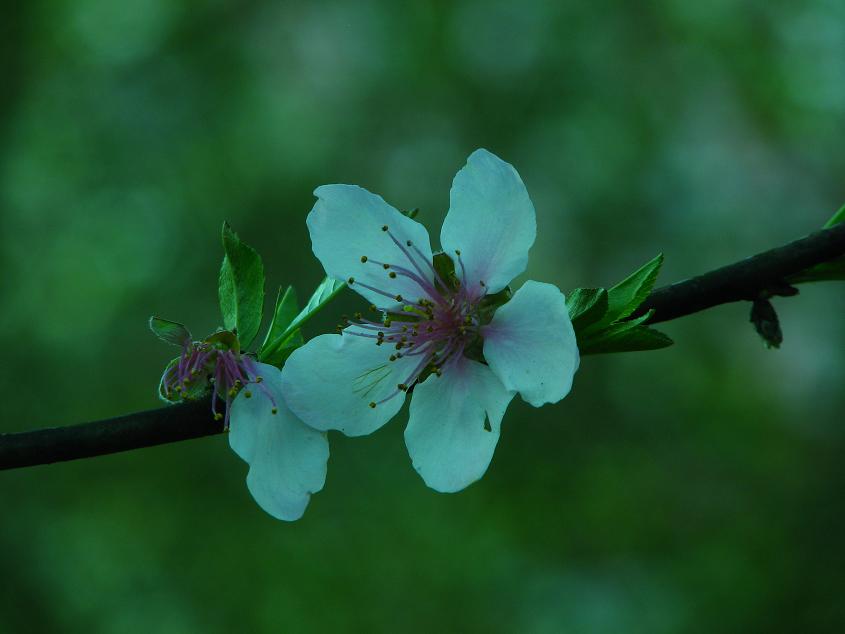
x,y
695,489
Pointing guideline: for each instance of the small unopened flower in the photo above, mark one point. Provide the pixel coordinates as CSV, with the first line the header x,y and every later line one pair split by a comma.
x,y
287,458
450,330
214,364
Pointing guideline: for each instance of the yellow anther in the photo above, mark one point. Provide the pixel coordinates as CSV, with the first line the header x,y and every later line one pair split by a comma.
x,y
372,405
385,266
457,252
218,416
363,259
259,379
350,281
398,298
384,228
274,411
247,394
392,275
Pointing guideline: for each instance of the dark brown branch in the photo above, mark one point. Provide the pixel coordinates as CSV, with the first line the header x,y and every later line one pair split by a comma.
x,y
746,279
133,431
765,273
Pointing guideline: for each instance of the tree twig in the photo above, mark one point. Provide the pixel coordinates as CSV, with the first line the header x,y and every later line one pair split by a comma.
x,y
741,281
746,279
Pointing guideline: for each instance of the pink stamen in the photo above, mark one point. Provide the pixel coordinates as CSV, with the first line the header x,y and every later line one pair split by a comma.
x,y
436,329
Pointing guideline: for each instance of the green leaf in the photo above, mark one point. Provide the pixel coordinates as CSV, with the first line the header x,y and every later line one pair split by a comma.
x,y
279,353
833,270
171,332
322,295
290,338
286,310
625,336
838,217
828,272
594,335
241,288
636,339
287,306
624,298
586,306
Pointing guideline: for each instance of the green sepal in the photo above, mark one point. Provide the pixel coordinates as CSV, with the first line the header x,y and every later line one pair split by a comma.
x,y
162,393
192,391
225,340
241,287
286,342
445,268
171,332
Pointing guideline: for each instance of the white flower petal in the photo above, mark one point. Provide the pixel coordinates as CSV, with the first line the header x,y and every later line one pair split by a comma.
x,y
530,344
491,221
346,224
446,435
331,381
287,459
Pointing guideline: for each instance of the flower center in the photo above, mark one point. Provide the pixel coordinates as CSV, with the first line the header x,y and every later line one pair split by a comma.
x,y
437,328
209,363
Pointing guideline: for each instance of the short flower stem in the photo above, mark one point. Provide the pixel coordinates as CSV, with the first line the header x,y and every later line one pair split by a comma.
x,y
765,273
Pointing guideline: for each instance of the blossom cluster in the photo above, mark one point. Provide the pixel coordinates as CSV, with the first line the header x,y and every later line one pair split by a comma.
x,y
444,329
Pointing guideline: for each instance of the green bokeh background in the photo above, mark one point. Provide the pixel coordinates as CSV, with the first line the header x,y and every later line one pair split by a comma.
x,y
696,489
